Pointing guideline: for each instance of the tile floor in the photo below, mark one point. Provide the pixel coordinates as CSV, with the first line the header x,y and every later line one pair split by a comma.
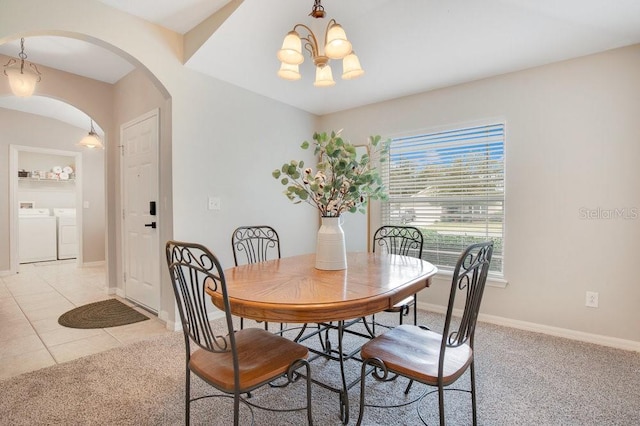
x,y
32,301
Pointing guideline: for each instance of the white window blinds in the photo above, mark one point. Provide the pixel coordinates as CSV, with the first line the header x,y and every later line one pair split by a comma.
x,y
450,185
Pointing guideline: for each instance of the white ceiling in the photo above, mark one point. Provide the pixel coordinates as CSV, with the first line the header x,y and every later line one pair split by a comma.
x,y
405,46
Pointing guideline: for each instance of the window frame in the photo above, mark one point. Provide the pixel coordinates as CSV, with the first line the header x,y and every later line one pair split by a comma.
x,y
496,278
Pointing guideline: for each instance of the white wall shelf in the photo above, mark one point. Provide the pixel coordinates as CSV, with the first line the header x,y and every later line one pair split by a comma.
x,y
30,179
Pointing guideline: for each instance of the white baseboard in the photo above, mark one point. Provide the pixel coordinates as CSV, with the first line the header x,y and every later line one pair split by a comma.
x,y
598,339
170,325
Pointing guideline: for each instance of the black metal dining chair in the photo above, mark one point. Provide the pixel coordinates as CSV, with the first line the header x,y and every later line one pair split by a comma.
x,y
252,244
233,362
406,241
428,357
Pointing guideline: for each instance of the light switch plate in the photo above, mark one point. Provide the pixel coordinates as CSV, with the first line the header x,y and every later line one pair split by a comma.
x,y
214,203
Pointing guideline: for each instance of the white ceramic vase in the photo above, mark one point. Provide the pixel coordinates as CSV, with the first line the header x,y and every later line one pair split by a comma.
x,y
331,254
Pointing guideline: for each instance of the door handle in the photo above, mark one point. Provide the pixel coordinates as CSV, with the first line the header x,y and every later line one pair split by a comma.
x,y
150,225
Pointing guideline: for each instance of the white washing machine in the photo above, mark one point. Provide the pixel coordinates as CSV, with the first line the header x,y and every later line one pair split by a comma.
x,y
36,235
67,233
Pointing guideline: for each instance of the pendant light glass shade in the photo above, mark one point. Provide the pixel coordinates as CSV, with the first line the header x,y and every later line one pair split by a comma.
x,y
289,72
324,77
22,82
351,67
291,51
22,75
92,140
337,46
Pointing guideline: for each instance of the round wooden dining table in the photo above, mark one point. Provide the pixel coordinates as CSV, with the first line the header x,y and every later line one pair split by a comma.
x,y
292,290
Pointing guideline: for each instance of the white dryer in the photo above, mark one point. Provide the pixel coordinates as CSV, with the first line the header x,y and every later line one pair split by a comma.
x,y
36,235
67,233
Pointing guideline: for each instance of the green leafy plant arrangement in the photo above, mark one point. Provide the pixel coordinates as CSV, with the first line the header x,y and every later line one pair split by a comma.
x,y
343,181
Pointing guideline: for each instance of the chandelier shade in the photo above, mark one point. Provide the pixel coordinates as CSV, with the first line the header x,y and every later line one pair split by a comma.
x,y
351,67
336,46
324,77
291,52
289,72
23,76
22,82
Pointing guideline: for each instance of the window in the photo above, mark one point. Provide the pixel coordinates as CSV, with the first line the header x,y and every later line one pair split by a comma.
x,y
450,185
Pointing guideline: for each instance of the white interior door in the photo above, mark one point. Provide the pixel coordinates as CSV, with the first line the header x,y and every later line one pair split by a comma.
x,y
140,189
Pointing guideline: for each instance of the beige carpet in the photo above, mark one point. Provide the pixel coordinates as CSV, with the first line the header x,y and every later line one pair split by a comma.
x,y
523,379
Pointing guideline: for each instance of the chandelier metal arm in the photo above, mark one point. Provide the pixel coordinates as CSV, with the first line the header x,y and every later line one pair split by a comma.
x,y
311,42
35,68
8,64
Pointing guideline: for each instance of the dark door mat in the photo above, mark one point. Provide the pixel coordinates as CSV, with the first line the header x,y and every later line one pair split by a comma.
x,y
103,314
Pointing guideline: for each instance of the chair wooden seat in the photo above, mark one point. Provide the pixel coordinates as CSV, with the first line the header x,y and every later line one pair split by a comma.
x,y
233,362
261,356
435,359
414,352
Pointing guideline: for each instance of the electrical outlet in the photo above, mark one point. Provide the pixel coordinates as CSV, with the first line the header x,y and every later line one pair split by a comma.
x,y
592,299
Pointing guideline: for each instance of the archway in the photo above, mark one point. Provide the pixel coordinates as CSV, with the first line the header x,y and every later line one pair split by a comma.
x,y
106,103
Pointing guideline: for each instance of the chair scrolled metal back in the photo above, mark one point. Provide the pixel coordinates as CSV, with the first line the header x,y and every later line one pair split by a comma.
x,y
469,278
406,241
253,244
403,240
226,359
437,359
192,269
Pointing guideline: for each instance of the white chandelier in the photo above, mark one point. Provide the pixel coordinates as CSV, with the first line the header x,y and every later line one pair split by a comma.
x,y
336,46
22,79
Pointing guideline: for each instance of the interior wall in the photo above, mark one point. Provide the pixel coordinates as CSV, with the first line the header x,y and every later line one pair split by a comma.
x,y
572,201
19,128
571,148
225,141
231,141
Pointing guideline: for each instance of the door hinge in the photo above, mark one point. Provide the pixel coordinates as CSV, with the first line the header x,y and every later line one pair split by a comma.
x,y
122,214
124,275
